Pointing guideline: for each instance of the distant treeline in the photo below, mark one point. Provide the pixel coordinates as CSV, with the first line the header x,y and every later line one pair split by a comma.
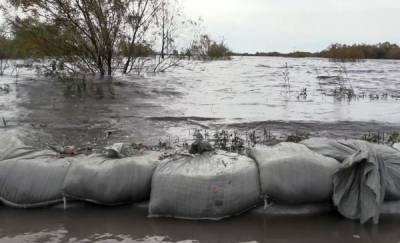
x,y
385,50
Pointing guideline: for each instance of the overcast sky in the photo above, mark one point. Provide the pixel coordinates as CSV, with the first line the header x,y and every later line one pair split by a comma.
x,y
287,25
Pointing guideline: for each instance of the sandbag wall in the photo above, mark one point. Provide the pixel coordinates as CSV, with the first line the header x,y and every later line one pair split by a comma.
x,y
30,178
356,176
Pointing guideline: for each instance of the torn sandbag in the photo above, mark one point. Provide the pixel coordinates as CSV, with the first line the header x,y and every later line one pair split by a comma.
x,y
370,175
343,149
33,182
111,181
290,173
213,185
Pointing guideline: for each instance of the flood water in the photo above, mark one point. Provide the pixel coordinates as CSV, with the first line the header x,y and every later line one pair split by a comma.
x,y
243,94
88,223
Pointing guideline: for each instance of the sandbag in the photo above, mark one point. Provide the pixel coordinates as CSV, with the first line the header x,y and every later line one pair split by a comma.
x,y
32,182
12,147
213,185
337,149
111,181
290,173
370,174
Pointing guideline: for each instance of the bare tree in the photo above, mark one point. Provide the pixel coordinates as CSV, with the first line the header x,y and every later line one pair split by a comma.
x,y
139,18
100,36
170,23
5,47
90,29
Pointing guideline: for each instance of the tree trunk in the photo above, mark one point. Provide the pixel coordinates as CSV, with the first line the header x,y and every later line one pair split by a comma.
x,y
100,66
126,66
163,38
109,66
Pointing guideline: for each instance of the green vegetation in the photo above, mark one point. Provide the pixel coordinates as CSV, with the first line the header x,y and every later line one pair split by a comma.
x,y
33,39
342,52
206,48
218,51
6,52
100,37
137,50
96,37
6,46
296,54
389,138
384,50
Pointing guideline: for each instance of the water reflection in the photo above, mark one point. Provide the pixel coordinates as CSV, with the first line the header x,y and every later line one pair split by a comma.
x,y
129,224
86,88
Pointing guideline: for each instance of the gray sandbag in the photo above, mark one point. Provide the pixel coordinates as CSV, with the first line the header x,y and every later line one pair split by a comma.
x,y
33,182
337,149
213,185
344,149
111,181
370,175
12,147
290,173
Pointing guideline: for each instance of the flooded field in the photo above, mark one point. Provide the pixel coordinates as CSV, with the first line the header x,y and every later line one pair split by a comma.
x,y
245,93
282,95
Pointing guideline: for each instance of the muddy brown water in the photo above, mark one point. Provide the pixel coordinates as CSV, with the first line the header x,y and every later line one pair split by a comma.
x,y
243,94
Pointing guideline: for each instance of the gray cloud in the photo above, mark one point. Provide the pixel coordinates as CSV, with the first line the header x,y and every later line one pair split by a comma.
x,y
285,25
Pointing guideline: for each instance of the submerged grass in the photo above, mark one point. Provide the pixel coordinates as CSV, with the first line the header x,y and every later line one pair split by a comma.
x,y
232,140
388,138
239,142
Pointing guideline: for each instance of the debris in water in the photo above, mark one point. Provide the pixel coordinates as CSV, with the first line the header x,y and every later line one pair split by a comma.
x,y
64,150
199,147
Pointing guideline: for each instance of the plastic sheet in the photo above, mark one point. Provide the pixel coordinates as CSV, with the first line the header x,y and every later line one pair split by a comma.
x,y
370,174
